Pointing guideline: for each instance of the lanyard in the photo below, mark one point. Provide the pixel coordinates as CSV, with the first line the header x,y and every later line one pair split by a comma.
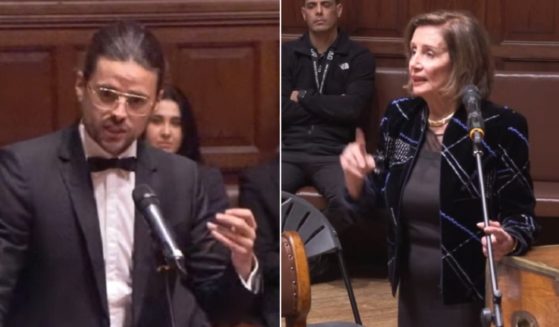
x,y
329,58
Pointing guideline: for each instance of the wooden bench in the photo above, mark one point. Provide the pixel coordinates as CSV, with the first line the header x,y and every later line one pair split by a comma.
x,y
533,95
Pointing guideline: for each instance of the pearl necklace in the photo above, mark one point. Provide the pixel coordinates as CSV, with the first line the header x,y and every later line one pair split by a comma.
x,y
441,122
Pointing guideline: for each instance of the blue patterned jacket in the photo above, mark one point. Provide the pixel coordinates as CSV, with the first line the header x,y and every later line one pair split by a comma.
x,y
507,183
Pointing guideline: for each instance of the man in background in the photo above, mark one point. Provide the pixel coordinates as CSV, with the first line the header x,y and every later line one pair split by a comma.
x,y
327,81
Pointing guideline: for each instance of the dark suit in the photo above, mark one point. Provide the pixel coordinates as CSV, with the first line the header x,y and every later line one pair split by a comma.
x,y
211,177
51,260
259,191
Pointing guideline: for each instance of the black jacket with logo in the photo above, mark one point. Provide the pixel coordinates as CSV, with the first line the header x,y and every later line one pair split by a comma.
x,y
322,124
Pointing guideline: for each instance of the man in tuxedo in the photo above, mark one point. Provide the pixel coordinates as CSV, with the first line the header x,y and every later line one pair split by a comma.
x,y
73,250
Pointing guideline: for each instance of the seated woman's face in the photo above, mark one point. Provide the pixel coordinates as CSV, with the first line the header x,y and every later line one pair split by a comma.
x,y
164,127
429,66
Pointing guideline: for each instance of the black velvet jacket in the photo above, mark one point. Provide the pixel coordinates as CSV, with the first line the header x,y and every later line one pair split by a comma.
x,y
507,183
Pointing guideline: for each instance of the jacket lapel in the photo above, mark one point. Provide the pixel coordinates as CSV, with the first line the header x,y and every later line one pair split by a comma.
x,y
143,259
78,181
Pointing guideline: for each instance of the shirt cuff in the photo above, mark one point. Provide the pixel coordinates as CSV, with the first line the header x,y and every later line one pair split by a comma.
x,y
254,281
365,203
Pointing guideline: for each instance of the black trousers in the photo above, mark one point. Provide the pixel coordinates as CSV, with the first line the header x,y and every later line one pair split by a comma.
x,y
327,177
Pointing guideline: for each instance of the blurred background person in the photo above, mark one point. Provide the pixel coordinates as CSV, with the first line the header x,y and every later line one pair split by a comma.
x,y
428,178
172,128
259,192
327,81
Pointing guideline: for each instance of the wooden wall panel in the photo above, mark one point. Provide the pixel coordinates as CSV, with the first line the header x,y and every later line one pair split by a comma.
x,y
525,34
216,77
291,20
379,17
477,7
28,100
534,20
222,53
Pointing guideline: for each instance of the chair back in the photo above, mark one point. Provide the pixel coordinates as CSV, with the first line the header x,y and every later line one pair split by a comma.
x,y
315,230
295,280
317,235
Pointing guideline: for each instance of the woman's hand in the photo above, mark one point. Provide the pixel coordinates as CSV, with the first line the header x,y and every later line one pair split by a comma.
x,y
501,241
356,164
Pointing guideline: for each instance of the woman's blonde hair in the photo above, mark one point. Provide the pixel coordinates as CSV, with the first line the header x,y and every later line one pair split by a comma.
x,y
468,46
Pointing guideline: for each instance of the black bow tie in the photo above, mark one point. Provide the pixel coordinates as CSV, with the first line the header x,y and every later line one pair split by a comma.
x,y
97,164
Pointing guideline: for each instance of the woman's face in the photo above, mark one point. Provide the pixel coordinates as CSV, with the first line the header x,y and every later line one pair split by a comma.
x,y
429,66
164,127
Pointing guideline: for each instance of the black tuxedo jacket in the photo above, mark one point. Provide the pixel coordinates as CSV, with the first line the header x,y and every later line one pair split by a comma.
x,y
51,258
259,191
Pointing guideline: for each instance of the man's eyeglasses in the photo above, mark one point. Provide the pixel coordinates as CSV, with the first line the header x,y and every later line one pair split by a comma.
x,y
107,99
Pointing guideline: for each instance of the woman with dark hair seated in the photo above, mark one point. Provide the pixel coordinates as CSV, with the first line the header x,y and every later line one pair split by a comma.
x,y
172,128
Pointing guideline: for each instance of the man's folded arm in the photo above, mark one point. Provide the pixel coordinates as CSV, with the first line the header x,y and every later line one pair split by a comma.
x,y
292,113
346,108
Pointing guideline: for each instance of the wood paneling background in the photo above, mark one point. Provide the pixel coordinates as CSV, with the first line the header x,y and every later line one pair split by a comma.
x,y
223,53
525,34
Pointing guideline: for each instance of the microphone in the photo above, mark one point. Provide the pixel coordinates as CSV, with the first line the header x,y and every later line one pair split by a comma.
x,y
472,101
148,204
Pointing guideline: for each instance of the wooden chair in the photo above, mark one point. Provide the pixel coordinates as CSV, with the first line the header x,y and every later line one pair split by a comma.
x,y
295,280
295,284
318,235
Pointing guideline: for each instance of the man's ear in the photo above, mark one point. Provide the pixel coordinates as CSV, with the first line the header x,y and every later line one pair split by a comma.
x,y
339,9
80,85
159,96
303,13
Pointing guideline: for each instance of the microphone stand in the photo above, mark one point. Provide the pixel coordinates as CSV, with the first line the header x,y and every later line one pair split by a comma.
x,y
487,317
168,263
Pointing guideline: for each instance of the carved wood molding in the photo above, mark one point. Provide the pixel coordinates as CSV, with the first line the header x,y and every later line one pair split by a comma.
x,y
517,50
167,13
529,50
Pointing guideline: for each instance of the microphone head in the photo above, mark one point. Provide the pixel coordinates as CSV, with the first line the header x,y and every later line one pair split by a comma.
x,y
470,95
471,99
144,196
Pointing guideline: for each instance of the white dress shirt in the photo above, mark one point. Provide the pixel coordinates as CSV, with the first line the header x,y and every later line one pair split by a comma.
x,y
115,209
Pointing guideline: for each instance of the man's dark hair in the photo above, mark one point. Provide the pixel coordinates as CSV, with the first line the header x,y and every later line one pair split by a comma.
x,y
124,41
